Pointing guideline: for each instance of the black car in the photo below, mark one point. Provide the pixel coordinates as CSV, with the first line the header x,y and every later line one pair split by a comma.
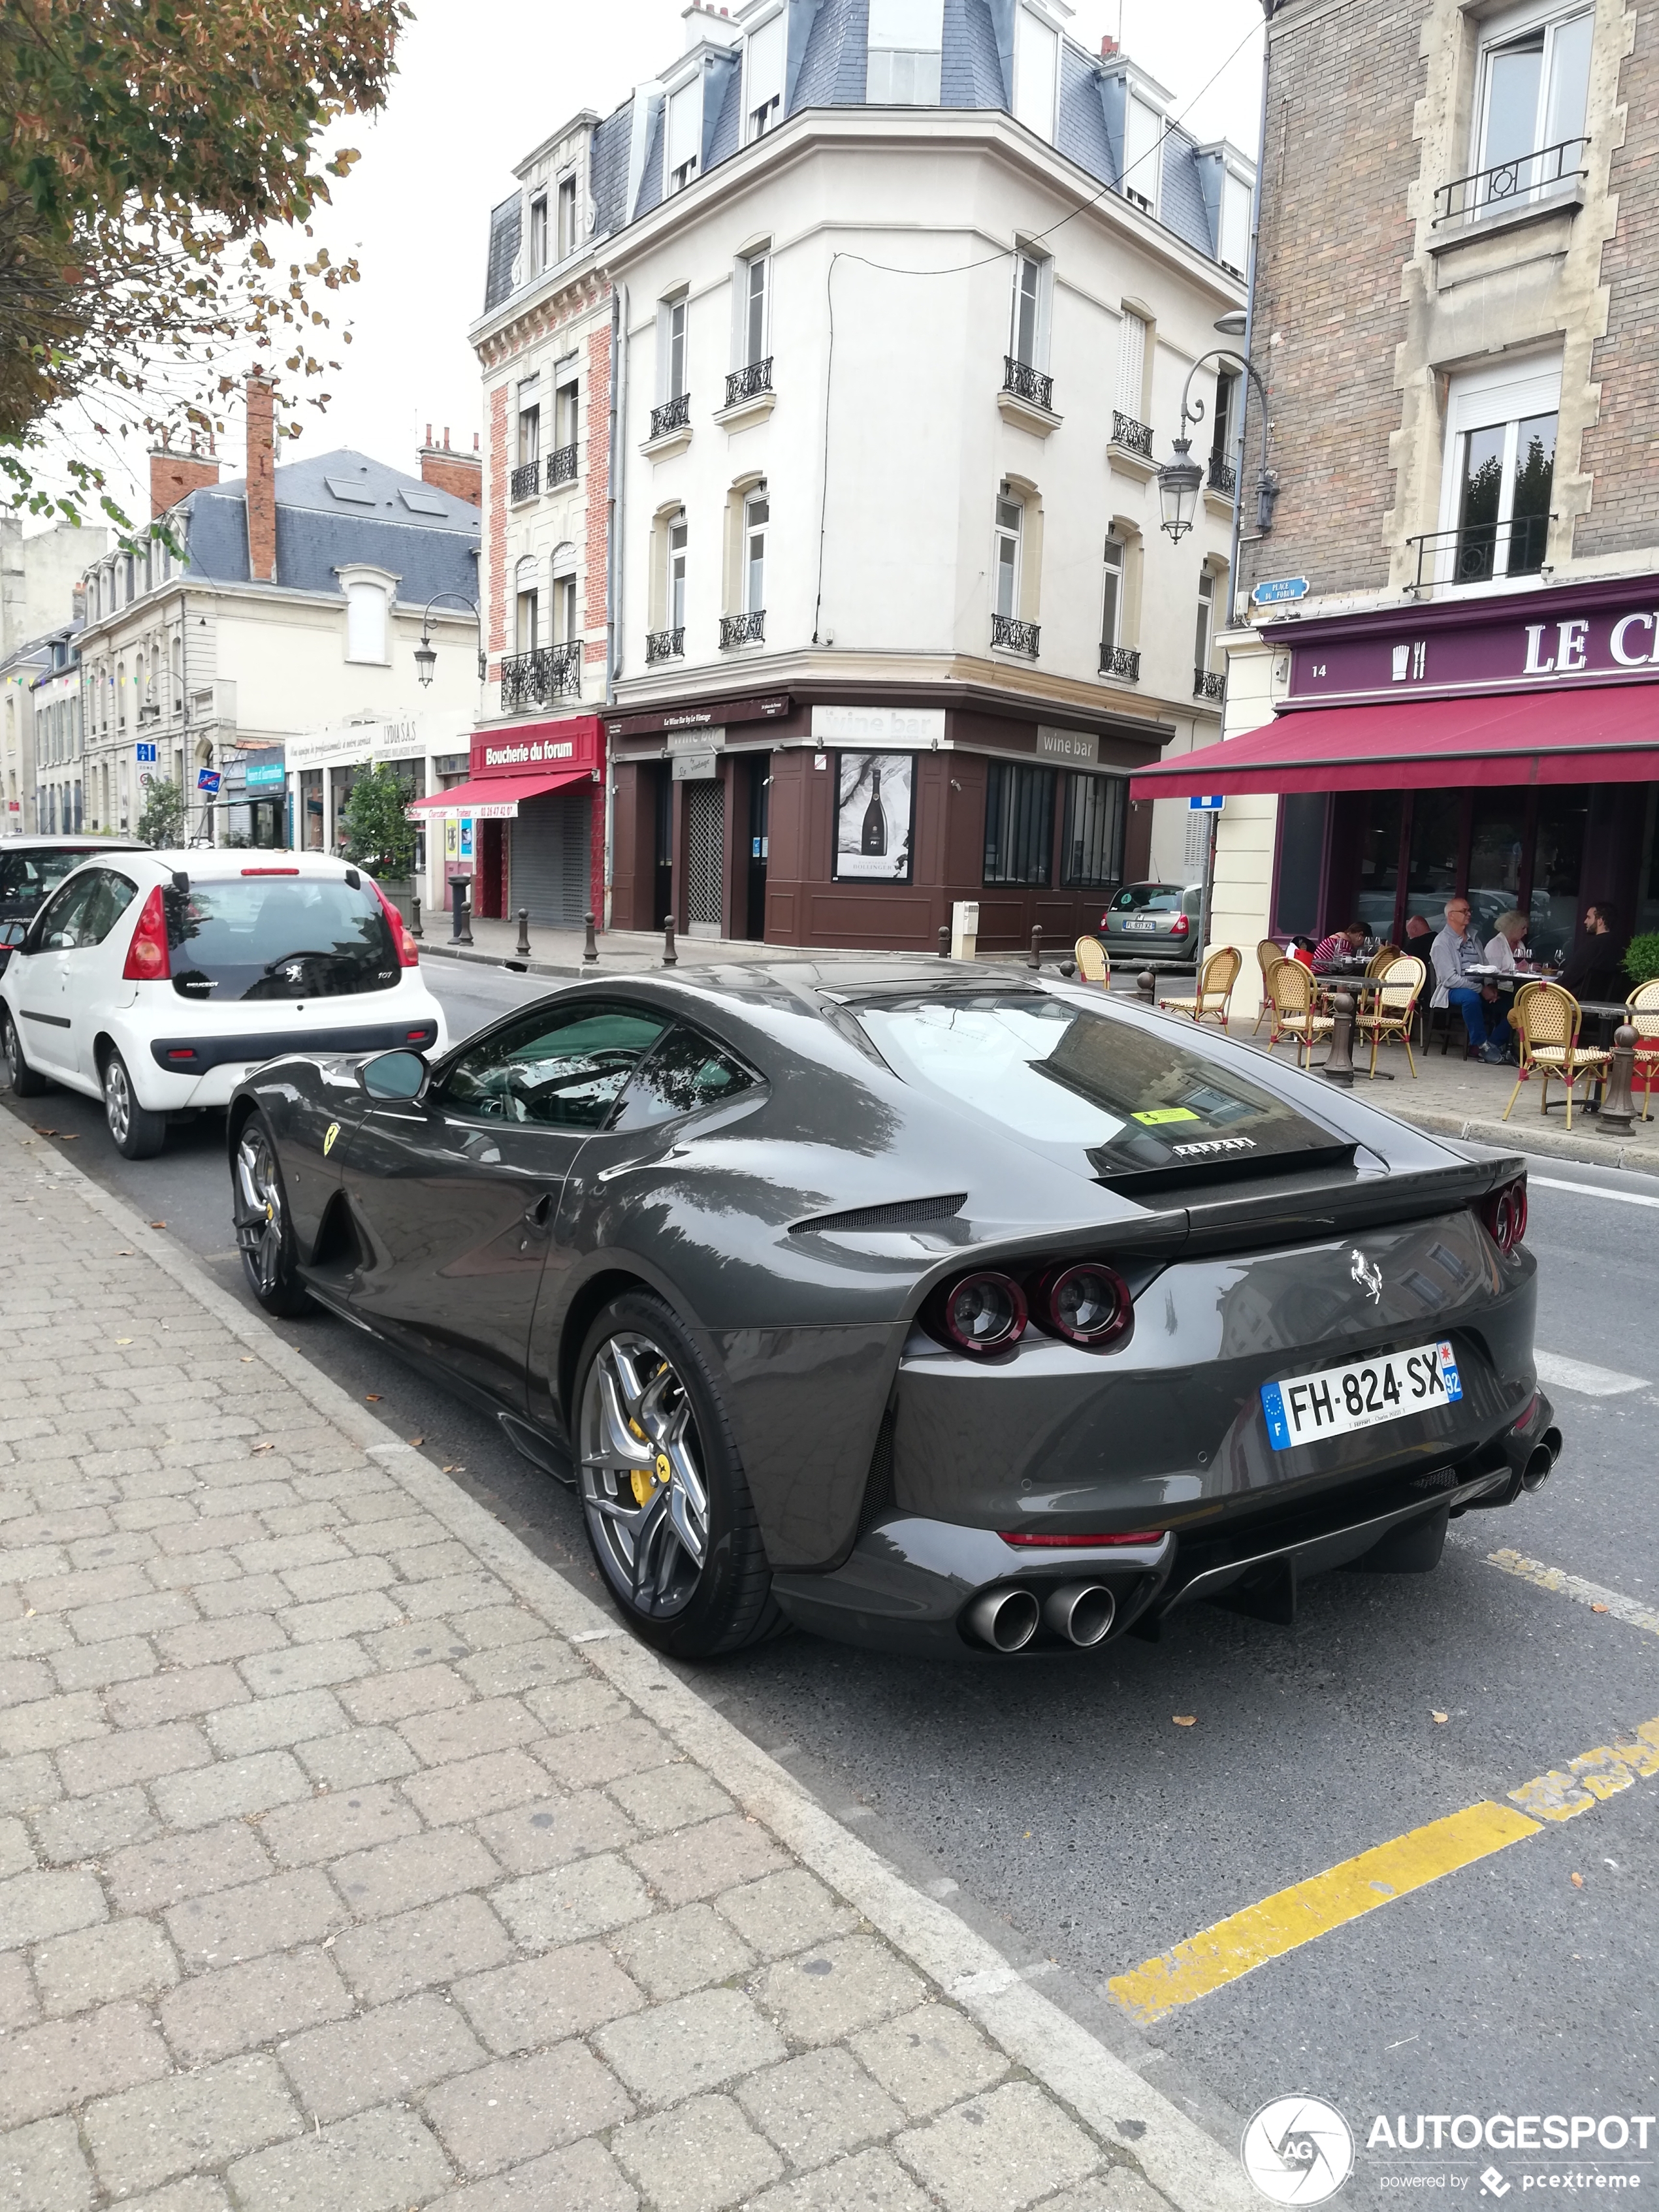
x,y
926,1305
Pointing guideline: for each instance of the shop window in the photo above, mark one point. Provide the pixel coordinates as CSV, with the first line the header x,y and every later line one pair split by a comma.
x,y
764,55
1435,870
1091,845
1379,863
1019,824
1302,820
1647,892
907,44
1558,869
1530,106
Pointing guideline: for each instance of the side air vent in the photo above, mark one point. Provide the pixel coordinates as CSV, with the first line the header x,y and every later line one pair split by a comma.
x,y
878,1493
903,1213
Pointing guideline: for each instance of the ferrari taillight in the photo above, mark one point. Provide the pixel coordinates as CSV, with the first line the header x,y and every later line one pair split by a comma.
x,y
1505,1213
409,953
1083,1302
148,958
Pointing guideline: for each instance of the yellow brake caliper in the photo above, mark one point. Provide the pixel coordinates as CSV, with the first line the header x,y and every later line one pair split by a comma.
x,y
647,1481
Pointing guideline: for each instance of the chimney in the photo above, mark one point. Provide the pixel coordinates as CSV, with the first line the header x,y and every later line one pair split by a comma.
x,y
261,480
1107,47
174,477
459,474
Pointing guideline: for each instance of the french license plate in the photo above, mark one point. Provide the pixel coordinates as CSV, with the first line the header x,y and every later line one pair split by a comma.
x,y
1138,925
1362,1396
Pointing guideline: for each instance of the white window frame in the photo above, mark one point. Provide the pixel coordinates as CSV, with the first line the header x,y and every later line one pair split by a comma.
x,y
539,235
566,409
1203,628
757,523
677,538
747,350
530,423
905,55
1233,224
1033,277
1132,350
567,198
1007,555
1115,563
1036,81
1143,165
1501,31
526,606
685,100
368,622
764,93
1510,394
673,335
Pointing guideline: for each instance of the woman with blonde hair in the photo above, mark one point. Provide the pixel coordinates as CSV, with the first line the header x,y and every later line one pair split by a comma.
x,y
1510,934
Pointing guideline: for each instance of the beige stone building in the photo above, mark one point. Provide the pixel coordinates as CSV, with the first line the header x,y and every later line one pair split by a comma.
x,y
1442,677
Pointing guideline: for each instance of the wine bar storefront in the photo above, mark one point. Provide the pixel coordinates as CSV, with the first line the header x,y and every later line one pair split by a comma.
x,y
857,822
527,826
1507,748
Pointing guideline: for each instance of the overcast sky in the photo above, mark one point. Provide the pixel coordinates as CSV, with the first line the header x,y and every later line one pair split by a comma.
x,y
481,81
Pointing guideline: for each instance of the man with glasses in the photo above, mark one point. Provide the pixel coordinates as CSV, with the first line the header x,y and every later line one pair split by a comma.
x,y
1456,951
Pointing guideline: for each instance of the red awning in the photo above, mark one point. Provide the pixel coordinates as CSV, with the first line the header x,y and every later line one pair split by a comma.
x,y
497,797
1599,735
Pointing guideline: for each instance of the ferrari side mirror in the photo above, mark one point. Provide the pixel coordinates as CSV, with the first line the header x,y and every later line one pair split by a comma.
x,y
395,1075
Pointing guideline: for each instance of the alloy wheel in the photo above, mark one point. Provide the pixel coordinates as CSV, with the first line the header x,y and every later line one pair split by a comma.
x,y
259,1221
641,1475
118,1100
13,1053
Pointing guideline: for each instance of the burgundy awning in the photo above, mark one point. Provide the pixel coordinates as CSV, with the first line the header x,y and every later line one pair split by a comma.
x,y
1609,735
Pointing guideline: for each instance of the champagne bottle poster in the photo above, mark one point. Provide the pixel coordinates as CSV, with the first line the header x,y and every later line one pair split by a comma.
x,y
874,795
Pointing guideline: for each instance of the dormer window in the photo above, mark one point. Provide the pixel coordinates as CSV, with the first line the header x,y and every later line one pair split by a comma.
x,y
763,72
1233,245
1036,74
566,241
907,44
539,234
684,152
1143,147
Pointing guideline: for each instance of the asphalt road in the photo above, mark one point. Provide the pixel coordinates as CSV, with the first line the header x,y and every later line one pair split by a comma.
x,y
1061,1810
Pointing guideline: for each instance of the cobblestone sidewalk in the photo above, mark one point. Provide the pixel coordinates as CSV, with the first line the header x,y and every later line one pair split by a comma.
x,y
351,1861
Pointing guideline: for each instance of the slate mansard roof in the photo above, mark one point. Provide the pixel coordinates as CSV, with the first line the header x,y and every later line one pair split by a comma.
x,y
828,58
334,511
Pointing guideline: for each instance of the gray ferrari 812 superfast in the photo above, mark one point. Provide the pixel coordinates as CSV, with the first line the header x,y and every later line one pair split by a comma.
x,y
931,1305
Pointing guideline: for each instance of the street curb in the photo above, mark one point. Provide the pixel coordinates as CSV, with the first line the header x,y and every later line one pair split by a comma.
x,y
1195,2172
495,960
1507,1137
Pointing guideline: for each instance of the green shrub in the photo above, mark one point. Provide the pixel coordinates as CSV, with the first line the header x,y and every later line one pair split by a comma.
x,y
162,824
378,836
1642,958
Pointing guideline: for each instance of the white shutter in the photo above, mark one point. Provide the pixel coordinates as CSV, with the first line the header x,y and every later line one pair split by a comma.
x,y
1234,223
685,125
1131,365
911,26
765,62
1143,131
1037,75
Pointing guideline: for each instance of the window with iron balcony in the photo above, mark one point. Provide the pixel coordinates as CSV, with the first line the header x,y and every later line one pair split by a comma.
x,y
749,383
535,679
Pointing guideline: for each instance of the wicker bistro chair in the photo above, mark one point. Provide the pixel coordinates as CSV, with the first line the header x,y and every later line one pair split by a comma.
x,y
1392,1011
1093,962
1643,1005
1268,954
1291,988
1216,979
1383,958
1547,1020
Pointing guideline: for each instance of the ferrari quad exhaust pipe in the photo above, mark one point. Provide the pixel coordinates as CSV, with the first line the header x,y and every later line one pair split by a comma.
x,y
1538,1468
1081,1612
1004,1619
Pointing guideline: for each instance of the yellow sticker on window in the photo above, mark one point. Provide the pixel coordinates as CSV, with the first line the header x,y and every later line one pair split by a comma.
x,y
1168,1114
328,1141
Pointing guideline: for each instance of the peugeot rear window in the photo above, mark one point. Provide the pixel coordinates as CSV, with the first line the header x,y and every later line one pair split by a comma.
x,y
279,937
1148,898
1068,1081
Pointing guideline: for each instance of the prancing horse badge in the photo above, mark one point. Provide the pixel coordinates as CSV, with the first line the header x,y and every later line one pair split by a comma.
x,y
328,1141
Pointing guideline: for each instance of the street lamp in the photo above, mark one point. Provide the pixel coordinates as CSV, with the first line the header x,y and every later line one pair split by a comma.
x,y
1179,479
426,653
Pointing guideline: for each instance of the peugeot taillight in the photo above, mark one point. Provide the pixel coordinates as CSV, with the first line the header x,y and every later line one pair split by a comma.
x,y
409,953
148,958
1505,1213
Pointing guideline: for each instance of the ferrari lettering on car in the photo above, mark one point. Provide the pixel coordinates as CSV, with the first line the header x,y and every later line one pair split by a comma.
x,y
942,1306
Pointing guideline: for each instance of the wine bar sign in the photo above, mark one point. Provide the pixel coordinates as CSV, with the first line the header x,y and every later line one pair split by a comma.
x,y
875,795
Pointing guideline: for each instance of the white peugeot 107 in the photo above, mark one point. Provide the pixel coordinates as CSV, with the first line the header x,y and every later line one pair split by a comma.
x,y
154,980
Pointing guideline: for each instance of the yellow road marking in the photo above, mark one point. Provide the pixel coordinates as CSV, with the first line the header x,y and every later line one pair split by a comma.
x,y
1561,1584
1235,1946
1594,1776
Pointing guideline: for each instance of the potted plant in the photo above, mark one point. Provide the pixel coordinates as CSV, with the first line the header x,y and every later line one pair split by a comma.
x,y
379,835
1642,959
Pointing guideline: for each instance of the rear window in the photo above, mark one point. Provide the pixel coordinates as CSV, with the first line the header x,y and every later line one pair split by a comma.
x,y
26,878
279,937
1071,1081
1148,898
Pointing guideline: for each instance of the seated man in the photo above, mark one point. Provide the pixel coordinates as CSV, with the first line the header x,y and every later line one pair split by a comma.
x,y
1342,944
1595,966
1457,949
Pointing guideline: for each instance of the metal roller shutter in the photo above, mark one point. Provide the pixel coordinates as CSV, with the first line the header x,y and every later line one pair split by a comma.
x,y
550,859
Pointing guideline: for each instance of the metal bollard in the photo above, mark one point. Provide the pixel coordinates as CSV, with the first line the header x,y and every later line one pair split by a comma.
x,y
1339,1060
1037,948
591,944
523,947
1618,1106
415,929
1147,985
461,917
670,957
945,940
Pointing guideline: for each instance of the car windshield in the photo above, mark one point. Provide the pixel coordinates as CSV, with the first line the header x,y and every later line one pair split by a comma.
x,y
279,937
1067,1078
26,878
1148,898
